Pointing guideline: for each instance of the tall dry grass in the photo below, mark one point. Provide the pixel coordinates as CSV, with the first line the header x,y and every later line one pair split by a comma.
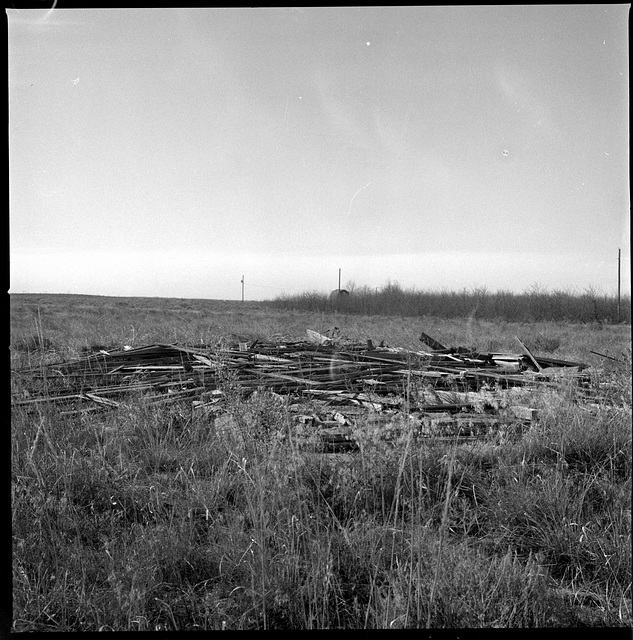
x,y
169,518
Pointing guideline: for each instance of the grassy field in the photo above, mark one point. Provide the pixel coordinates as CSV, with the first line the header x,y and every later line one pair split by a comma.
x,y
149,518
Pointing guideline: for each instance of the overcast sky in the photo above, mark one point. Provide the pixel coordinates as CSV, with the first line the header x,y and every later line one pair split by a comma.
x,y
169,152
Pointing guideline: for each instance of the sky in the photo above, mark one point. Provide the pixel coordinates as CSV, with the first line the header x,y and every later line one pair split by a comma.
x,y
177,152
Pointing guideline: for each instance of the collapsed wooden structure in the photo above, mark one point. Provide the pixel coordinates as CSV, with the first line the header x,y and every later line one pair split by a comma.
x,y
447,392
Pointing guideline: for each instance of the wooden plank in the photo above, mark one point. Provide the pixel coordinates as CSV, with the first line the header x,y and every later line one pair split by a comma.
x,y
100,400
301,381
524,413
431,342
529,354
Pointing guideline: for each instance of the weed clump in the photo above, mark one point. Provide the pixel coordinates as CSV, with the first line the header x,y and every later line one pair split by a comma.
x,y
35,342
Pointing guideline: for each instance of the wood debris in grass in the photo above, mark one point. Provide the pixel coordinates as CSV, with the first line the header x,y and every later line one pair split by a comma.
x,y
457,382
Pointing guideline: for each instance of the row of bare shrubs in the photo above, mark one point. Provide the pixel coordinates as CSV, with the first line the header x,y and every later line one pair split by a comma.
x,y
535,304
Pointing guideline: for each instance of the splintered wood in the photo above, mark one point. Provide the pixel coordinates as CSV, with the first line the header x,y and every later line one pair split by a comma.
x,y
442,392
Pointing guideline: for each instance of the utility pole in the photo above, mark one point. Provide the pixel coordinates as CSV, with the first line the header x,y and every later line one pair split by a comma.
x,y
242,288
618,285
339,279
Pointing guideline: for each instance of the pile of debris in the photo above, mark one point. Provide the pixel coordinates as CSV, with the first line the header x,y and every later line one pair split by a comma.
x,y
447,392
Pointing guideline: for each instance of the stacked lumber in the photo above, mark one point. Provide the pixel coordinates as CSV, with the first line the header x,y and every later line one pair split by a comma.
x,y
435,385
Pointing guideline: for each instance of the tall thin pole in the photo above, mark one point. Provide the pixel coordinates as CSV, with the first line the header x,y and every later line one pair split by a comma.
x,y
339,279
618,285
242,288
